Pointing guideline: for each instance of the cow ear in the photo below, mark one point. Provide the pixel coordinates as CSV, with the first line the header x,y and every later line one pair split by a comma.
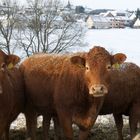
x,y
12,60
3,66
119,58
77,60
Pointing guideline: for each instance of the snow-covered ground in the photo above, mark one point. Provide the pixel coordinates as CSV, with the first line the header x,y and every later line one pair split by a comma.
x,y
114,40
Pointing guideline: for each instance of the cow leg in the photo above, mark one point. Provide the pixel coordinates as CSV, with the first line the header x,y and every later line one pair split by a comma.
x,y
83,134
134,119
119,124
46,126
65,121
6,134
2,137
58,131
133,126
31,124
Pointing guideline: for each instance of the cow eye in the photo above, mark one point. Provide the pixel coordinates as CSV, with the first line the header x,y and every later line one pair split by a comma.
x,y
108,67
3,65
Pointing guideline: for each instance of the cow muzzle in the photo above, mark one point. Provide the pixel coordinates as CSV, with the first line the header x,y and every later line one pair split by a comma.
x,y
98,90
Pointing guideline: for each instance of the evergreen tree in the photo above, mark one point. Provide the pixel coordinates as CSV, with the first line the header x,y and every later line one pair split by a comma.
x,y
138,13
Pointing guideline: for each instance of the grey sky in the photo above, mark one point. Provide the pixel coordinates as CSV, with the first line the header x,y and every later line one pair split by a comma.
x,y
115,4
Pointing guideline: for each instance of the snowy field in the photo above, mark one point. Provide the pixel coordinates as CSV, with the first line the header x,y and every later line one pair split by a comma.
x,y
114,40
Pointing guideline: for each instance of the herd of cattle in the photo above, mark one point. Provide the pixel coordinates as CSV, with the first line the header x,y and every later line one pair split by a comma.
x,y
72,88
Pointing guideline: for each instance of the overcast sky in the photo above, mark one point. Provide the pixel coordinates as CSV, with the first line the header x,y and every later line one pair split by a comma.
x,y
114,4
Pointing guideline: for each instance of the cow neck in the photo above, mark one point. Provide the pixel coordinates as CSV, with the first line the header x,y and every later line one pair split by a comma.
x,y
87,119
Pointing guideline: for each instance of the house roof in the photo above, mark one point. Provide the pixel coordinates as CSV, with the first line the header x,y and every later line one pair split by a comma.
x,y
98,11
137,23
122,18
132,16
108,14
118,15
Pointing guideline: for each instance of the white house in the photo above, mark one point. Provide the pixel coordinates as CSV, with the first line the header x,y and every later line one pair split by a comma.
x,y
98,22
119,19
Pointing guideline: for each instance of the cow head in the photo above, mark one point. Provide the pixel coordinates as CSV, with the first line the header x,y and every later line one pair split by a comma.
x,y
98,64
6,62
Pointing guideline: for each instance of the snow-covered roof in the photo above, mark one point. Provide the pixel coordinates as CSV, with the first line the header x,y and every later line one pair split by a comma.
x,y
87,10
117,13
122,18
133,16
137,23
108,13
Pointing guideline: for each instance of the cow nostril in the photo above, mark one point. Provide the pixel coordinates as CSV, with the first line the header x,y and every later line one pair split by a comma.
x,y
97,88
102,88
93,89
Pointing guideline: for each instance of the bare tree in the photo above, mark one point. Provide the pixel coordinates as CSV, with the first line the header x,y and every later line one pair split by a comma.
x,y
48,29
7,24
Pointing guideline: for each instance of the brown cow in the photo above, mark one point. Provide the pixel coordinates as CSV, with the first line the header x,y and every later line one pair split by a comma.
x,y
71,86
11,92
124,97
